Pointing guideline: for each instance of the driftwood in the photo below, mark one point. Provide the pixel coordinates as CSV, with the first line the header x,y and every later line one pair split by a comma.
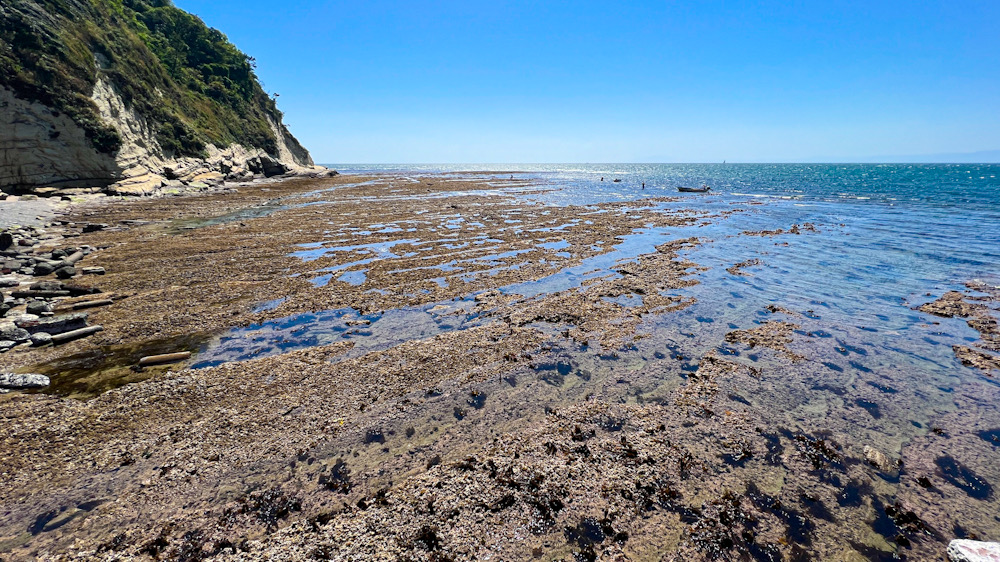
x,y
76,334
90,304
74,257
39,294
165,358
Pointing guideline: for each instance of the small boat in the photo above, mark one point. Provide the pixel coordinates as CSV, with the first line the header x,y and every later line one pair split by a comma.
x,y
694,189
617,180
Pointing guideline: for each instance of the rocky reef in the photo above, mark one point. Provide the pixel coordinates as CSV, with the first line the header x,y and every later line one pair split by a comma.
x,y
131,97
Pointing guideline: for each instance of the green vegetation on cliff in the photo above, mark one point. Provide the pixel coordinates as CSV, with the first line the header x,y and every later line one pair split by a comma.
x,y
186,79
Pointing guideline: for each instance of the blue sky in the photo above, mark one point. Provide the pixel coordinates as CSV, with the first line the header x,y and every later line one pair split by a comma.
x,y
513,81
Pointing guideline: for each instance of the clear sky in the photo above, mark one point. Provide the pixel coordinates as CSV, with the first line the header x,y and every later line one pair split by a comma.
x,y
535,81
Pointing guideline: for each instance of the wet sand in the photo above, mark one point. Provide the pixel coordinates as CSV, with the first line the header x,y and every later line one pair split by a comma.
x,y
468,401
16,211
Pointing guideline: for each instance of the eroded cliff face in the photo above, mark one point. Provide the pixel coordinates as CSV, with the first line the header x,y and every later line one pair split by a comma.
x,y
39,147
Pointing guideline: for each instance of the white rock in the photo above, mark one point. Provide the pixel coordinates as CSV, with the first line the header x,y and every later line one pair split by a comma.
x,y
962,550
878,459
16,381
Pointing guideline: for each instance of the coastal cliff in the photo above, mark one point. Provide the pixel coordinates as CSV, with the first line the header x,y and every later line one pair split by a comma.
x,y
134,97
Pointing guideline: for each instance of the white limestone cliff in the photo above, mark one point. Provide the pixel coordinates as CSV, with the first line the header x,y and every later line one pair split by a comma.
x,y
41,148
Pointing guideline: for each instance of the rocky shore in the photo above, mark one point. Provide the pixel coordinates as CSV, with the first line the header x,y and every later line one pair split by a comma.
x,y
39,313
529,398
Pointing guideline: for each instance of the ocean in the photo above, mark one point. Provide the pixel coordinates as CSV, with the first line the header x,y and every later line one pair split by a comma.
x,y
884,240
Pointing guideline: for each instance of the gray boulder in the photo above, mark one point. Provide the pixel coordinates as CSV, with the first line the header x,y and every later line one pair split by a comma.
x,y
13,381
46,286
54,325
43,268
40,339
38,307
67,272
13,333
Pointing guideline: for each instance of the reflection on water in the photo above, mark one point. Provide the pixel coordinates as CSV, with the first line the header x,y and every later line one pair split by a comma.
x,y
367,332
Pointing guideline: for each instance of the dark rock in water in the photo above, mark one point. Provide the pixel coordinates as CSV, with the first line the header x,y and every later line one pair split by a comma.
x,y
13,333
55,325
963,478
94,227
67,272
43,268
38,307
991,436
14,381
